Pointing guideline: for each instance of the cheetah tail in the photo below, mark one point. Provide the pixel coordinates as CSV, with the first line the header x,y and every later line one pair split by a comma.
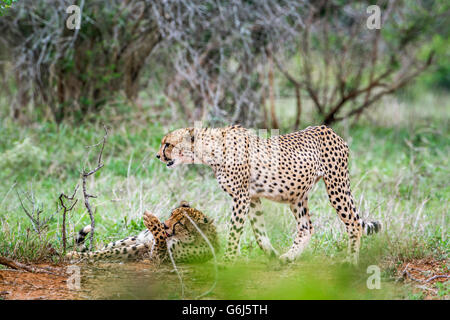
x,y
371,227
81,236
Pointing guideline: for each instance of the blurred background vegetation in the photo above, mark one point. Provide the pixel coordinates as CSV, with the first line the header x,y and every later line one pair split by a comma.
x,y
146,67
217,61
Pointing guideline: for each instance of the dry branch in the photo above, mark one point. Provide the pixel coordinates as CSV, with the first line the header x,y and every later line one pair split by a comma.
x,y
65,210
20,266
405,274
439,276
348,71
85,174
34,213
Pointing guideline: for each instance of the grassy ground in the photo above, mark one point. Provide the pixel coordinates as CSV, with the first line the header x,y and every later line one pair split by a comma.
x,y
399,171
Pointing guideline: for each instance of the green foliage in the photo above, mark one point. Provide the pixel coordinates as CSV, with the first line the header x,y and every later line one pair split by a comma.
x,y
439,78
23,154
5,4
443,288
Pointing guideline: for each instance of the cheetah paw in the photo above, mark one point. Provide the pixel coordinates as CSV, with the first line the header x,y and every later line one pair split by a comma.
x,y
351,260
288,257
150,220
73,255
229,259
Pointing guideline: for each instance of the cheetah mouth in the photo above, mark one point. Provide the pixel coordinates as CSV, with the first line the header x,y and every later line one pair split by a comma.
x,y
170,164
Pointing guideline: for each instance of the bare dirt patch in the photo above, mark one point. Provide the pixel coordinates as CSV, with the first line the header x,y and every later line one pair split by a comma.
x,y
131,280
24,285
428,277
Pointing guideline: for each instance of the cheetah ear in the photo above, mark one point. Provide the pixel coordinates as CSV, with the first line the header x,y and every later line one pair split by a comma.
x,y
184,204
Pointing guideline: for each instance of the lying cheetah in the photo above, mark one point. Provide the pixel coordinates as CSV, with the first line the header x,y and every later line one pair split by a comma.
x,y
282,168
177,234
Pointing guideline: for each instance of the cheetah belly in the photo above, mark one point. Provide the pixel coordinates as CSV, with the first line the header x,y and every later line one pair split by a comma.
x,y
144,237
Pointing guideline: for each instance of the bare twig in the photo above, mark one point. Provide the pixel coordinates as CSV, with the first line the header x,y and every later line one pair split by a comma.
x,y
65,210
6,195
437,277
34,213
20,266
85,174
406,274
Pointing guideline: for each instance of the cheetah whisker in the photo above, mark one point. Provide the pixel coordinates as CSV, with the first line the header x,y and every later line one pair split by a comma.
x,y
213,253
176,270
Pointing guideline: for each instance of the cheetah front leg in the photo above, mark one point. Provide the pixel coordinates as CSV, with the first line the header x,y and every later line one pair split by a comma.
x,y
256,217
241,204
155,226
304,230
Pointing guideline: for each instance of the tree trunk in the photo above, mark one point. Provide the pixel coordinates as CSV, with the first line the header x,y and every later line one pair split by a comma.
x,y
263,99
272,94
299,107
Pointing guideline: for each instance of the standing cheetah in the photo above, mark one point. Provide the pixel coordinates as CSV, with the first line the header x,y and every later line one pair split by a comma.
x,y
282,168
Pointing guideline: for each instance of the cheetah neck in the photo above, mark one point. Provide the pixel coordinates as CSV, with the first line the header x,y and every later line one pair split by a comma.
x,y
209,146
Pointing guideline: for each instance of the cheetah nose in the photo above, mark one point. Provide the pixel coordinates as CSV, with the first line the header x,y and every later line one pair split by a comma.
x,y
158,156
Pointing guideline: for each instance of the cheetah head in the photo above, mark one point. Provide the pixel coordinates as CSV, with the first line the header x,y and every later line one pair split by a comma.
x,y
177,147
178,225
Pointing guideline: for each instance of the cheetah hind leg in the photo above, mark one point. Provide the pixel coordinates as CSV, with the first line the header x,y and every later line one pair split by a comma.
x,y
343,202
256,217
304,230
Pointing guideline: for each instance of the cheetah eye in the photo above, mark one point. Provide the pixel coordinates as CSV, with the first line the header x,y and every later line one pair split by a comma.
x,y
178,223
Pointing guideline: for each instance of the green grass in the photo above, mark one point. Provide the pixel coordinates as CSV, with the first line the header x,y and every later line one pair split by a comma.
x,y
257,278
399,171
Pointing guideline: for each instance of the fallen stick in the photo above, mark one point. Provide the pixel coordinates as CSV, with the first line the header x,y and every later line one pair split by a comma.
x,y
406,274
20,266
437,277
